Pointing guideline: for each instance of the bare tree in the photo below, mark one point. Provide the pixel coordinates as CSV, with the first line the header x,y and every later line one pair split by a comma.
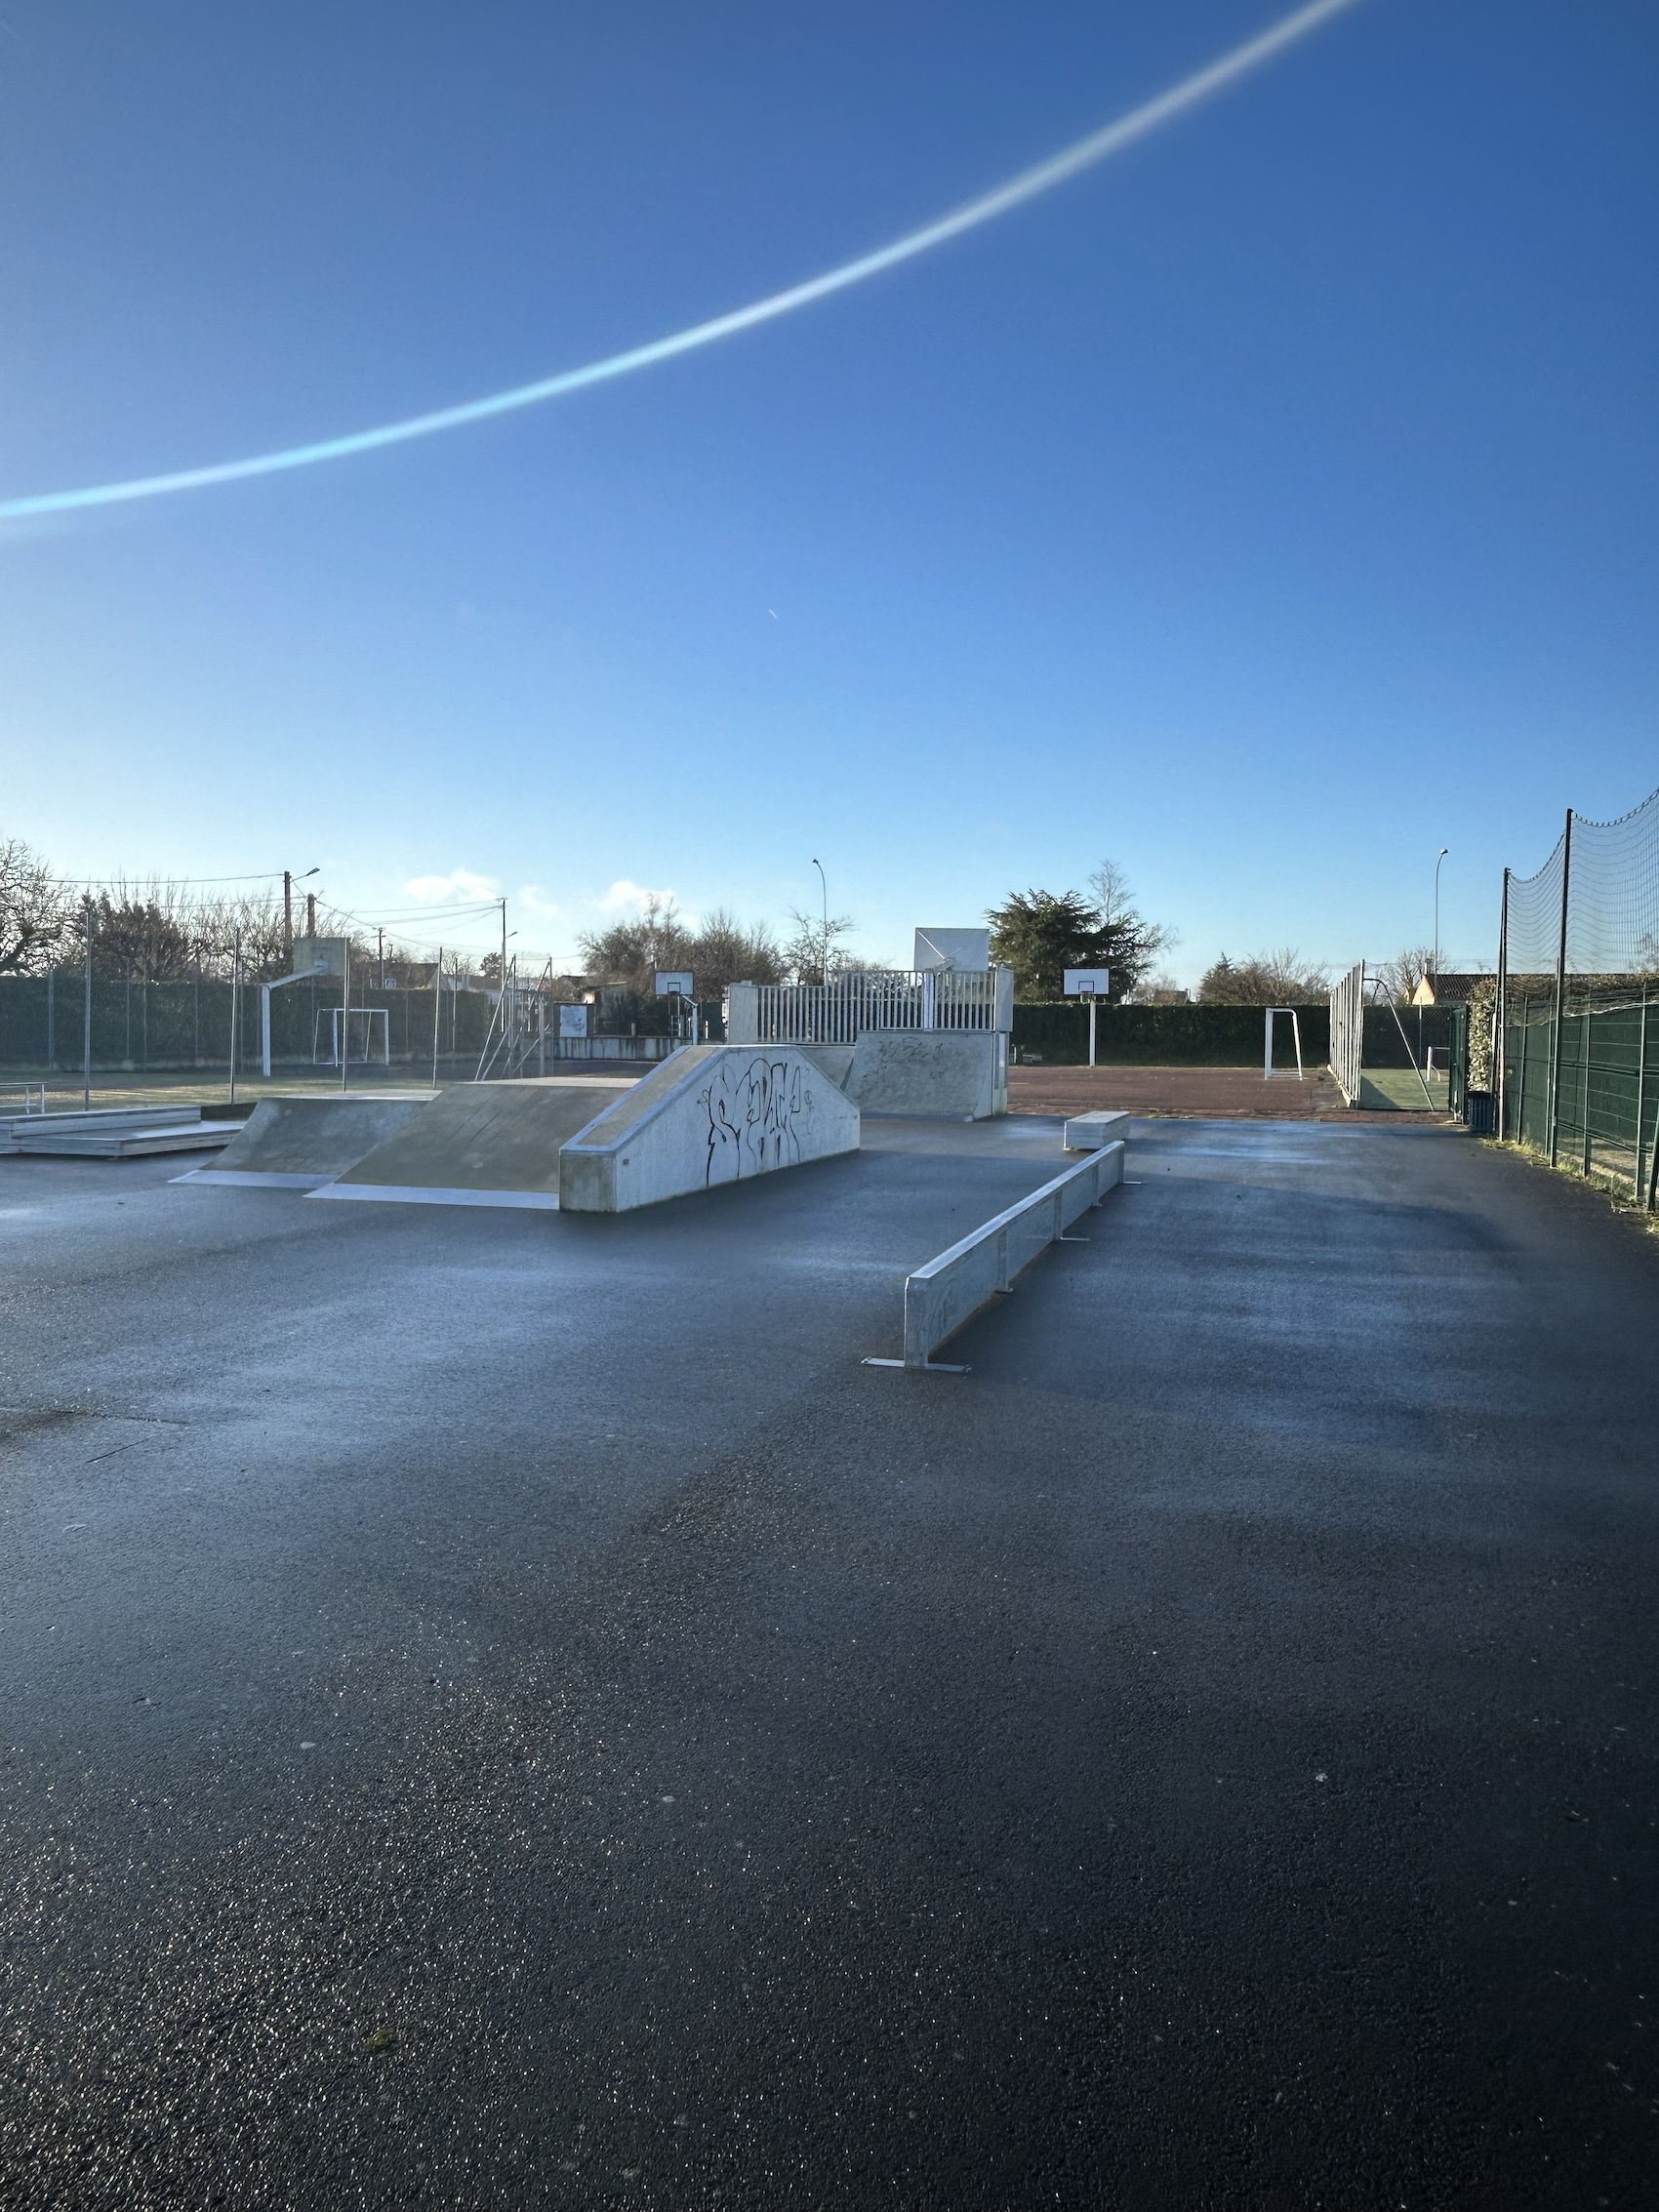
x,y
817,949
1271,979
721,950
1406,970
36,911
1131,944
1162,990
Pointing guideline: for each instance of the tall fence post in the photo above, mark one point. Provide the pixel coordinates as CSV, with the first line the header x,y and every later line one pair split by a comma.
x,y
1641,1099
1560,994
235,995
1588,1040
86,1037
1501,1012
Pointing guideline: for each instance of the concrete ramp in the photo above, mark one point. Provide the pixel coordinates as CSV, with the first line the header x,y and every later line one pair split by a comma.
x,y
709,1114
481,1145
948,1074
307,1137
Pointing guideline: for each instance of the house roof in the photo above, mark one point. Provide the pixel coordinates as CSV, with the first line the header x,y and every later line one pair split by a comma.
x,y
1448,989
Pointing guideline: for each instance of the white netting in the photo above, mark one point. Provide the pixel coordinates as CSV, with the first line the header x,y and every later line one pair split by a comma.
x,y
1533,925
1612,900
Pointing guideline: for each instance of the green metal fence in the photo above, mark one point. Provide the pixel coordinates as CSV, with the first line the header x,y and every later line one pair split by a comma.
x,y
1590,1097
1578,1000
142,1025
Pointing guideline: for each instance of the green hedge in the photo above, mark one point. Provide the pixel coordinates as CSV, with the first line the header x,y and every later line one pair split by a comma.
x,y
1164,1036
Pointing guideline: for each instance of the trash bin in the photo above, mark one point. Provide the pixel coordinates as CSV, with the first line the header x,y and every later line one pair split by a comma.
x,y
1480,1112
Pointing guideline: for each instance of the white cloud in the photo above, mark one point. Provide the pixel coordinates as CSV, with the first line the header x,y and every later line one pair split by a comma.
x,y
460,884
531,898
626,898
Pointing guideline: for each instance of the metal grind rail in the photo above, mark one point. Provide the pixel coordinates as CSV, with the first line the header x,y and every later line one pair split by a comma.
x,y
941,1296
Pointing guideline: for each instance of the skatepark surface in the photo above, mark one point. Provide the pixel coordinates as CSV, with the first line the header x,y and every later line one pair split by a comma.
x,y
503,1709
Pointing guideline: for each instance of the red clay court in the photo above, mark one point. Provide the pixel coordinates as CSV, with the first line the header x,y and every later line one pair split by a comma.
x,y
1184,1093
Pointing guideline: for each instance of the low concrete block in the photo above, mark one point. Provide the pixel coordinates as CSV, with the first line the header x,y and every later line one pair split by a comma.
x,y
1089,1132
709,1114
124,1143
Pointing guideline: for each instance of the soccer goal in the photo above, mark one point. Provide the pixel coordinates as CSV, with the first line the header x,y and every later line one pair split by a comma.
x,y
359,1042
1269,1070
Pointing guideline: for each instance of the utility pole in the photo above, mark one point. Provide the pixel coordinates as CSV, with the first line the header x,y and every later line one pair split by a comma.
x,y
379,954
310,914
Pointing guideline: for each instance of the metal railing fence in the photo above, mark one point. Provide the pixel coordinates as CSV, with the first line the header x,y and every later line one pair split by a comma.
x,y
836,1013
1348,1032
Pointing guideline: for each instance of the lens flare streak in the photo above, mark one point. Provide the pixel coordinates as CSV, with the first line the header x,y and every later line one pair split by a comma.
x,y
1030,185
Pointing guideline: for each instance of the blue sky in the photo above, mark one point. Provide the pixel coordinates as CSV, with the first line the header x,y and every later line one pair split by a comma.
x,y
1266,510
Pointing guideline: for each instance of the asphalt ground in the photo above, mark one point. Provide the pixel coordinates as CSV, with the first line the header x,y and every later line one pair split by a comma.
x,y
503,1709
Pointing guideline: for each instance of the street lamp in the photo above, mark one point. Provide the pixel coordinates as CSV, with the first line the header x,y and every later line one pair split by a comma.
x,y
822,879
1444,850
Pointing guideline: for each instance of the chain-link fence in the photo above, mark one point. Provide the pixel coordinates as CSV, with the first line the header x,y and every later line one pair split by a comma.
x,y
58,1025
48,1024
1577,1013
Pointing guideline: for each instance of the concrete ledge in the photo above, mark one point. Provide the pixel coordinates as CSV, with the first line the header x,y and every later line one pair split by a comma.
x,y
1088,1132
950,1289
126,1143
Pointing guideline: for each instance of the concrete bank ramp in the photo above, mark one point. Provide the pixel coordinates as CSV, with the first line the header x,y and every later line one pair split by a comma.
x,y
708,1114
948,1075
482,1144
307,1137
